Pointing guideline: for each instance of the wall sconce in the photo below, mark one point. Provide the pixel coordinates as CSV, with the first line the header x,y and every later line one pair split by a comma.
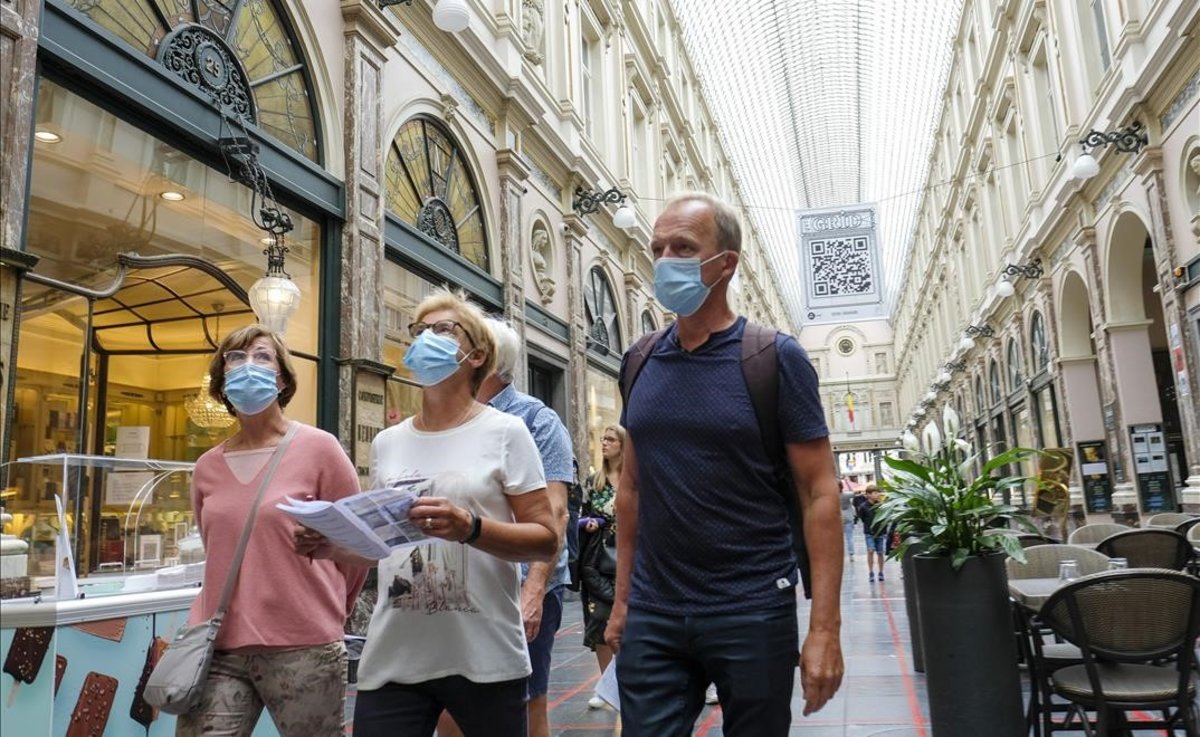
x,y
1128,140
275,297
1031,270
972,331
587,201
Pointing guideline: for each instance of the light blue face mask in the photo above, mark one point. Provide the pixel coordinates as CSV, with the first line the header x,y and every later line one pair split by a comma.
x,y
433,358
251,388
678,284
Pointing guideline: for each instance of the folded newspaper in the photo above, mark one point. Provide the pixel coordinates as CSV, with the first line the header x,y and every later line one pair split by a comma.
x,y
371,524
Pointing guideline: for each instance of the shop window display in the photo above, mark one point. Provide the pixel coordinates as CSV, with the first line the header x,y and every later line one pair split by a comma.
x,y
603,409
104,189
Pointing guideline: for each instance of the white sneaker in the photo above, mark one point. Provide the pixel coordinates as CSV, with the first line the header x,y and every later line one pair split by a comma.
x,y
597,703
710,694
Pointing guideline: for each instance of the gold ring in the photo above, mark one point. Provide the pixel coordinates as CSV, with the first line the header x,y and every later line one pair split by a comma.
x,y
428,522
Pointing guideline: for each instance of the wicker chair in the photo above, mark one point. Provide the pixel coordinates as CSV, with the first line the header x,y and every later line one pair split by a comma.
x,y
1170,520
1041,561
1149,548
1030,539
1092,534
1044,658
1121,621
1193,535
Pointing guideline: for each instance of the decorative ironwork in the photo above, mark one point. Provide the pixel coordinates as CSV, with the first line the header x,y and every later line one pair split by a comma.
x,y
241,161
436,221
955,365
1128,140
201,58
388,3
587,201
1031,270
980,331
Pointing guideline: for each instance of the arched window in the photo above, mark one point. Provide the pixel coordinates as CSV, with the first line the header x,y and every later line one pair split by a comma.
x,y
604,329
648,323
997,387
238,51
1016,375
430,186
1037,339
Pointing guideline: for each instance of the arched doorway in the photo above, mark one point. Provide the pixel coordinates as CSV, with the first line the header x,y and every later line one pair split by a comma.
x,y
1138,342
1081,387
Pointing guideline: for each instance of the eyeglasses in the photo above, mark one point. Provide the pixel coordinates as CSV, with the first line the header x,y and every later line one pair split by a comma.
x,y
259,357
610,440
441,327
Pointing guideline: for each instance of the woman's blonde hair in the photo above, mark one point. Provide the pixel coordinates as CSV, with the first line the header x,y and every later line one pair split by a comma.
x,y
240,340
471,321
599,479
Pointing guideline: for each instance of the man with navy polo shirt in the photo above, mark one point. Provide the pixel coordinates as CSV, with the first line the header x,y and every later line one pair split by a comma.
x,y
706,573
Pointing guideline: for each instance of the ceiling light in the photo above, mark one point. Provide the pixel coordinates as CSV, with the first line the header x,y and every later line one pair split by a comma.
x,y
46,136
171,196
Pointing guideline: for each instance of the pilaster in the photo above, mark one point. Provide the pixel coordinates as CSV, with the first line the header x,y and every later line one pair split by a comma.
x,y
18,69
574,228
513,173
368,32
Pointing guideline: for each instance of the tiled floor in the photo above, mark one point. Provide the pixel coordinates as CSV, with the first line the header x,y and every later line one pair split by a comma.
x,y
879,696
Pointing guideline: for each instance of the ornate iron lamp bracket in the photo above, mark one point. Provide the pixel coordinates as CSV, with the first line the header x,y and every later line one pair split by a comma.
x,y
1128,140
980,331
587,201
1031,270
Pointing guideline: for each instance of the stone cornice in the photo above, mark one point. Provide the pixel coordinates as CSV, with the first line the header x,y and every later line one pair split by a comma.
x,y
364,18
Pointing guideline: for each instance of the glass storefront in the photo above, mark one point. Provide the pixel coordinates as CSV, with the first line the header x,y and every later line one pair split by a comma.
x,y
402,292
1044,401
1023,438
101,187
603,409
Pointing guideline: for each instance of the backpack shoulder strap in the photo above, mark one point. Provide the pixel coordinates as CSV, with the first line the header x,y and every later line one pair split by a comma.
x,y
635,358
760,368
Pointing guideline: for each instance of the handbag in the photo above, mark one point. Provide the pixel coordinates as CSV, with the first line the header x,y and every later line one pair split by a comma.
x,y
177,682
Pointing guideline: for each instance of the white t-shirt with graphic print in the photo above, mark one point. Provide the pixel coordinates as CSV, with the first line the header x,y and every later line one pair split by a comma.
x,y
444,608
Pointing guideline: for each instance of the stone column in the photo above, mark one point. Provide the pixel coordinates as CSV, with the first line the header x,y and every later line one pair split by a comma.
x,y
1125,499
18,70
368,31
513,173
1149,166
633,316
574,228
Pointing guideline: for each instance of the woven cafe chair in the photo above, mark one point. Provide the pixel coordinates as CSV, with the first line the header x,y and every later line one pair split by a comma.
x,y
1042,561
1030,539
1148,548
1186,526
1092,534
1193,536
1170,520
1122,621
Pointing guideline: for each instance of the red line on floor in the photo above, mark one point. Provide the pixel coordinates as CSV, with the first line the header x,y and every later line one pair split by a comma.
x,y
589,683
910,689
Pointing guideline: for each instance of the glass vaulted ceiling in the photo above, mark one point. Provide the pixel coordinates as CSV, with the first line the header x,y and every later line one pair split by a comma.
x,y
824,103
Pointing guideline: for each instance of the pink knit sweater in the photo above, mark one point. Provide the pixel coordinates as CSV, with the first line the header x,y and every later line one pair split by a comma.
x,y
282,599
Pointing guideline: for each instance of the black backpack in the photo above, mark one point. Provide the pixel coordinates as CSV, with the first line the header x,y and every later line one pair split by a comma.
x,y
760,368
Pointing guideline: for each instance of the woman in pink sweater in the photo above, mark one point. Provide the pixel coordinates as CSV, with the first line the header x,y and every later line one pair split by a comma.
x,y
281,643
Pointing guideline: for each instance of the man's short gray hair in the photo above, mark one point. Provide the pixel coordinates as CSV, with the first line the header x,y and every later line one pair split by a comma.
x,y
508,348
729,226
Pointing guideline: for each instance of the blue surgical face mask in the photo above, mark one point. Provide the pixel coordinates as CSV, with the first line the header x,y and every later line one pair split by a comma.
x,y
433,358
251,388
678,284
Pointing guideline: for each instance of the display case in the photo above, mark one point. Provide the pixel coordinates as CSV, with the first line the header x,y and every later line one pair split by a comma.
x,y
128,523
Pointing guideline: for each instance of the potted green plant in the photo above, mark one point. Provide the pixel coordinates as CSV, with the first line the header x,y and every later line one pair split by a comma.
x,y
965,532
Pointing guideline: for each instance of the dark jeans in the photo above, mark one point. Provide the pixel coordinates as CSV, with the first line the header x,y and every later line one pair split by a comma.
x,y
411,710
665,663
542,645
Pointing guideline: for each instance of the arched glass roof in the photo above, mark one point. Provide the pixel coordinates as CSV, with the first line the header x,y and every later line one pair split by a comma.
x,y
824,103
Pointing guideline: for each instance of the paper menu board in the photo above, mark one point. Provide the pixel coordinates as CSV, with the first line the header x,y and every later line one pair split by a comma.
x,y
133,441
122,487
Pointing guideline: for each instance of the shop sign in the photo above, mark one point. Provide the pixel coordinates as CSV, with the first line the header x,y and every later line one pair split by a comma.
x,y
1093,470
368,415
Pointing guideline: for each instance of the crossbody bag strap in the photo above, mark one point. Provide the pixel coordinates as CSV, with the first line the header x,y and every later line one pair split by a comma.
x,y
231,579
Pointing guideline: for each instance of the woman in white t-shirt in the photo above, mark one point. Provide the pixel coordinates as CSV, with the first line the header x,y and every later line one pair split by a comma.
x,y
446,632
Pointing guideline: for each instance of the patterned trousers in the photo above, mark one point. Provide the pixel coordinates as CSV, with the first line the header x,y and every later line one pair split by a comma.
x,y
303,689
